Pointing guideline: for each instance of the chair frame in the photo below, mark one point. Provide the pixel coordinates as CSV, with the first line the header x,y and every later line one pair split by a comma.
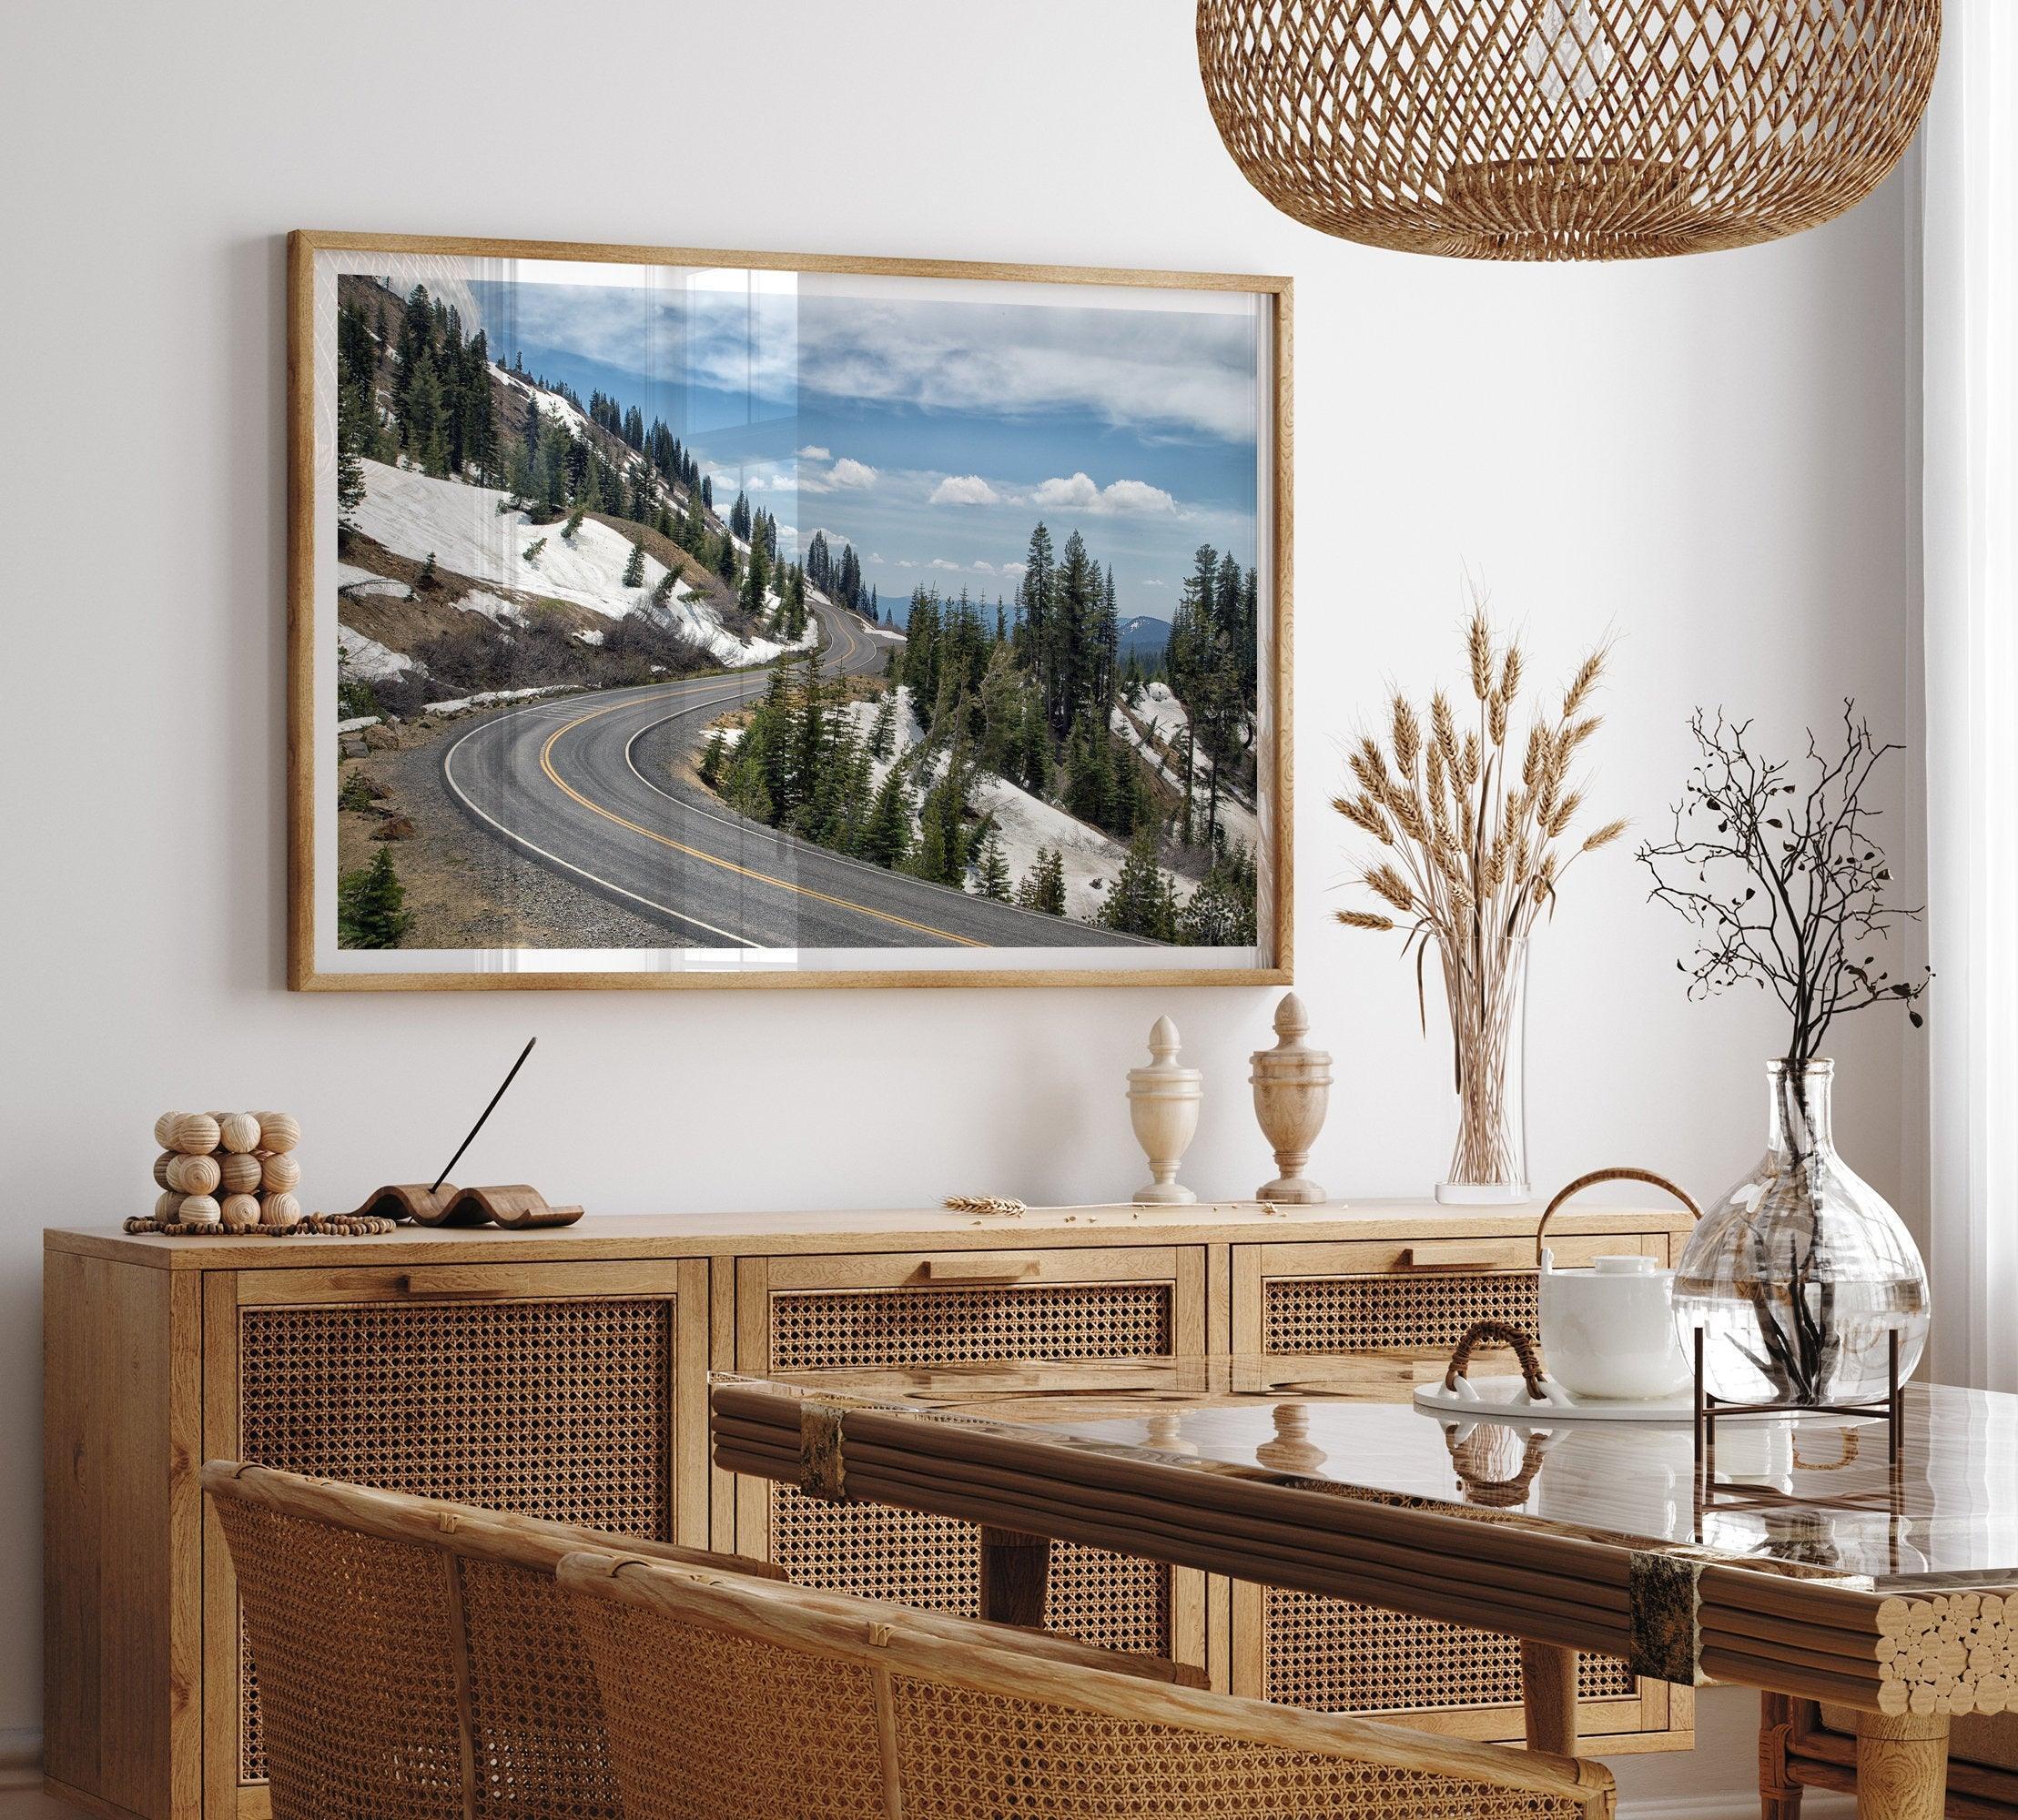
x,y
889,1639
1797,1752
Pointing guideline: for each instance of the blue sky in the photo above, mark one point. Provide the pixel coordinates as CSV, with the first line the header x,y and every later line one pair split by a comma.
x,y
932,430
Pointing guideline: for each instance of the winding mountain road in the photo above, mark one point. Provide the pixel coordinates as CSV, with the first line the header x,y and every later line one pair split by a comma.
x,y
564,781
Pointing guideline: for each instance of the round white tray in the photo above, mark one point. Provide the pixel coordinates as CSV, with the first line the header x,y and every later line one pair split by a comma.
x,y
1506,1400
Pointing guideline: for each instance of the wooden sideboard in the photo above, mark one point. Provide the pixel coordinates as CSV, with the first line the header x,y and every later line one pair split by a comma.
x,y
563,1373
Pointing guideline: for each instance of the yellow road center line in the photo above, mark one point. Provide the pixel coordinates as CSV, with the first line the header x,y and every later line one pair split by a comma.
x,y
561,784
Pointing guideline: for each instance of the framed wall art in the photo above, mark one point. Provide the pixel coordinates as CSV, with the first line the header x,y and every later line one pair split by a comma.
x,y
671,618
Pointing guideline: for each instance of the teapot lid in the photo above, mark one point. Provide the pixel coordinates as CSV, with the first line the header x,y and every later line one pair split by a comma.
x,y
1629,1263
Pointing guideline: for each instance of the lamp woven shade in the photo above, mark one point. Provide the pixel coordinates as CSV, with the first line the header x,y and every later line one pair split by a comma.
x,y
1567,129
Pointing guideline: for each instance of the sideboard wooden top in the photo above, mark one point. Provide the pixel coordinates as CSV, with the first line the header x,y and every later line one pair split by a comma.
x,y
759,1234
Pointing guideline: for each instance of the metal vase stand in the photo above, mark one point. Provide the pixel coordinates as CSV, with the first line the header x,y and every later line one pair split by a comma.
x,y
1710,1494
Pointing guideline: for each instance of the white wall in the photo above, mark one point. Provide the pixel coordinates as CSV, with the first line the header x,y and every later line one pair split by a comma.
x,y
1707,458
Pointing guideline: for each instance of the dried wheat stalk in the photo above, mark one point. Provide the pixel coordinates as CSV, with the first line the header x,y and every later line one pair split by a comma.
x,y
1475,844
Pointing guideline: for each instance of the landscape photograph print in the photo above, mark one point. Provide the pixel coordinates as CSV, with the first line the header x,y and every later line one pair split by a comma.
x,y
726,619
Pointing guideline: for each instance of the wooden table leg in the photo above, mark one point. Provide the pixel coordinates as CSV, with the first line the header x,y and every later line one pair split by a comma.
x,y
1549,1695
1015,1569
1902,1766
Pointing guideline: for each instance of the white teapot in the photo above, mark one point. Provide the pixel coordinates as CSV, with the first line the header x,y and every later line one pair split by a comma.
x,y
1610,1331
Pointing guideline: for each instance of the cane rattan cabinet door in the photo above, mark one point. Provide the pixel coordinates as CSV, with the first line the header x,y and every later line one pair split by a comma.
x,y
572,1392
1405,1306
798,1313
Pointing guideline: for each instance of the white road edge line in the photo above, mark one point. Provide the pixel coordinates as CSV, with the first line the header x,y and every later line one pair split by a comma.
x,y
447,771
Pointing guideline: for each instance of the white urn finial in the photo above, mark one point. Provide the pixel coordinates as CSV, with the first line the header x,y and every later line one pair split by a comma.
x,y
1293,1090
1163,1106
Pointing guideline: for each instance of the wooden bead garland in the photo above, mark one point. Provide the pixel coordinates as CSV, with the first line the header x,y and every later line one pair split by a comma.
x,y
231,1172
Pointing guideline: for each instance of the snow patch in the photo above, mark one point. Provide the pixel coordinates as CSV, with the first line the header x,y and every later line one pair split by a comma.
x,y
498,611
1156,711
552,404
467,533
1090,860
358,725
464,704
354,580
364,660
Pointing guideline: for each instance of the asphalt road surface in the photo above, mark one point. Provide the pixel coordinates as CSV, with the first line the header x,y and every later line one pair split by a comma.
x,y
563,781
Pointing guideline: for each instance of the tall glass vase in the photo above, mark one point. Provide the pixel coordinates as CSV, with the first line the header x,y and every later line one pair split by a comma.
x,y
1485,989
1802,1271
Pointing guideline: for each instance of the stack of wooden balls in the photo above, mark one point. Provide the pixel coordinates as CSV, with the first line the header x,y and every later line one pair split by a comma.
x,y
237,1171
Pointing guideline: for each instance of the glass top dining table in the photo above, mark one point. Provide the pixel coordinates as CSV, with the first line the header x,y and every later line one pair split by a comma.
x,y
1802,1494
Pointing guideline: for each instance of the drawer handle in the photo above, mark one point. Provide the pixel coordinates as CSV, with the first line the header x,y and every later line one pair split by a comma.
x,y
440,1292
1448,1261
985,1269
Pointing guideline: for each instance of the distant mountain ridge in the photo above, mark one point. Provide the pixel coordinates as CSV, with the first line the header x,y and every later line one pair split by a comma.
x,y
1144,635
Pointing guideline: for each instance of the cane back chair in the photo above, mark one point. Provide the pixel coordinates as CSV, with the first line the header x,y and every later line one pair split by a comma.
x,y
728,1697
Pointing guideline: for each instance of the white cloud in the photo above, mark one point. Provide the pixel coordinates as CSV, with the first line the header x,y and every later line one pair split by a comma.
x,y
849,473
1135,498
1150,584
964,490
1015,568
984,568
906,562
940,562
814,452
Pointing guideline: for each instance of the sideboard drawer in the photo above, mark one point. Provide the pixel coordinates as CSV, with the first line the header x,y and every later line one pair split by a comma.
x,y
924,1309
1405,1306
569,1391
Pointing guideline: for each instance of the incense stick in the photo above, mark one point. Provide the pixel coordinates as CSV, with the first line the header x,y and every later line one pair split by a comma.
x,y
482,1116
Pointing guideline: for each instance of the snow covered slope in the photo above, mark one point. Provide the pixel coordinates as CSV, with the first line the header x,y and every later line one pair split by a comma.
x,y
463,529
1023,823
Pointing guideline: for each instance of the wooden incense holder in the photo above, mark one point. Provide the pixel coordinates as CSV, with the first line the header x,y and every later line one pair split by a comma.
x,y
510,1204
513,1204
411,1200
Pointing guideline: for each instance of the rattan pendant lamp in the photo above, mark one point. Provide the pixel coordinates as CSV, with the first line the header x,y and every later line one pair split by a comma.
x,y
1567,129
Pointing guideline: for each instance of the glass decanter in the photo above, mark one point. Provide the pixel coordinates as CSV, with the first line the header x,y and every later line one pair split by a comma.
x,y
1800,1273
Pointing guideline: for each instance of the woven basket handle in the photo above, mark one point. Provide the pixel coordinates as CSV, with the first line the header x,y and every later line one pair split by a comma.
x,y
1525,1349
1591,1181
1495,1493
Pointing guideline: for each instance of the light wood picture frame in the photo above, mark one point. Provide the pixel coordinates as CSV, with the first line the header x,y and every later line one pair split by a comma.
x,y
983,678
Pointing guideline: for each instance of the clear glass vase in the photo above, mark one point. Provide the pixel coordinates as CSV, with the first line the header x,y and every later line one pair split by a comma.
x,y
1801,1271
1485,989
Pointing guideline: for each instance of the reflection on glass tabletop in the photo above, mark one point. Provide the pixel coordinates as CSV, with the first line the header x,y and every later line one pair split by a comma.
x,y
1815,1490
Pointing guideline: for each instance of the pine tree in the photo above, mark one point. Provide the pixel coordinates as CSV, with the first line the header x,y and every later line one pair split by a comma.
x,y
993,869
573,524
1140,901
755,577
634,571
887,840
351,434
1222,913
714,755
422,425
661,595
1043,886
427,578
724,562
371,905
883,734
